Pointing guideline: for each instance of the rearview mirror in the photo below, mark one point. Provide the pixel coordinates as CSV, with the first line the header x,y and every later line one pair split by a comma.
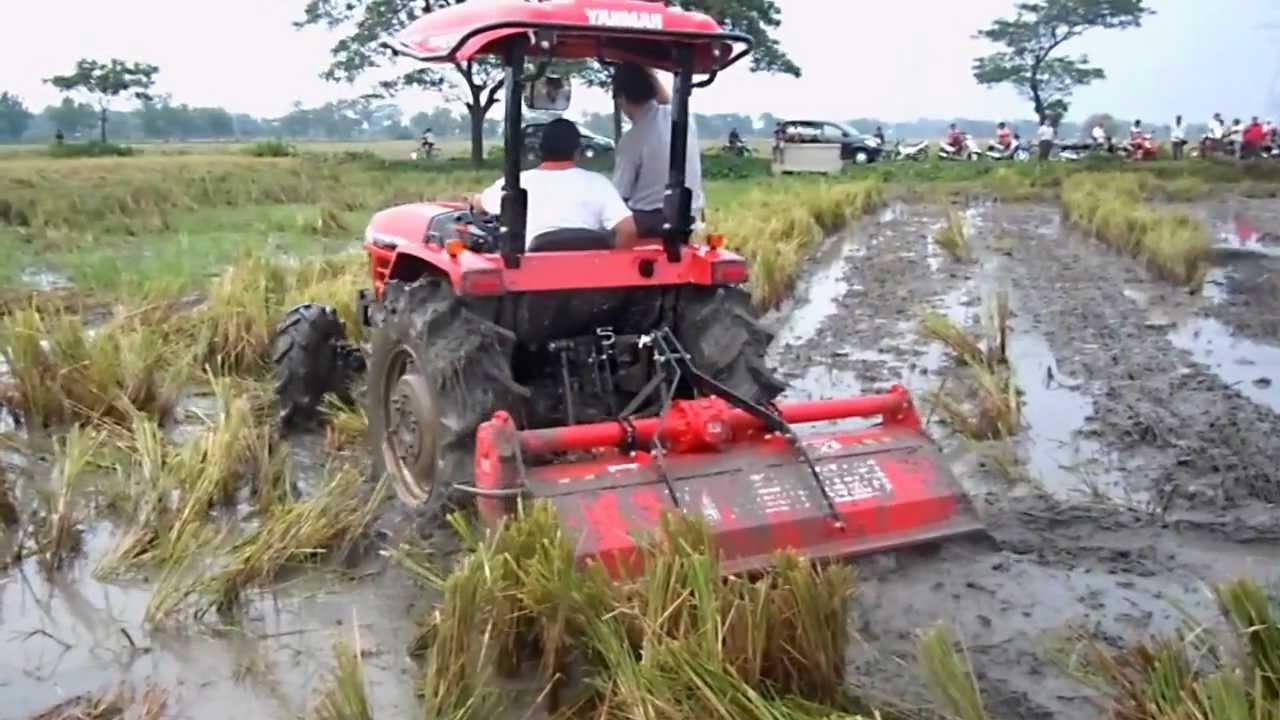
x,y
550,93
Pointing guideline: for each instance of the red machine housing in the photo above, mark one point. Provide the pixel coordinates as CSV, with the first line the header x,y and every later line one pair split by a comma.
x,y
865,490
399,248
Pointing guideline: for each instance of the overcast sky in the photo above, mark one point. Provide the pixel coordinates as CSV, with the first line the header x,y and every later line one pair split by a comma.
x,y
894,60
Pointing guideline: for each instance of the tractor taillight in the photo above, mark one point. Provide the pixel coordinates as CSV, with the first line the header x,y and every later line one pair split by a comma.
x,y
728,272
483,282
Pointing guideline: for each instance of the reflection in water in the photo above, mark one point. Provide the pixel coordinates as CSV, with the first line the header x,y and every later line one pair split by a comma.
x,y
1252,368
1055,410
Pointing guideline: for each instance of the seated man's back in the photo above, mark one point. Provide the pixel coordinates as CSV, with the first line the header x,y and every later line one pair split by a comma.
x,y
563,196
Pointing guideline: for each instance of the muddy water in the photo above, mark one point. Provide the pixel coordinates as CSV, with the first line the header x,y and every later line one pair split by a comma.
x,y
1151,453
67,633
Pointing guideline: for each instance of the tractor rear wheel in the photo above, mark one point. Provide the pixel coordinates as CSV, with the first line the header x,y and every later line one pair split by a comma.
x,y
719,329
436,372
311,358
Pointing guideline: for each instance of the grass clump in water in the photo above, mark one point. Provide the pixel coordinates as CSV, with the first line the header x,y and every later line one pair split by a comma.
x,y
119,702
292,534
949,675
346,425
64,372
58,537
991,409
953,238
987,405
1112,207
1188,676
172,491
346,697
679,641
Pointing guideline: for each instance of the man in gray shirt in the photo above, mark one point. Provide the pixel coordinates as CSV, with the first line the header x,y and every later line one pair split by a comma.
x,y
643,157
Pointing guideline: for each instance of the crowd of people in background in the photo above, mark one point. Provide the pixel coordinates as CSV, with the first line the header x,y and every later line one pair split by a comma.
x,y
1257,138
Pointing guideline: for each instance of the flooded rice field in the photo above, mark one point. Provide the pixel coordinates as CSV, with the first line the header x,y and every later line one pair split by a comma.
x,y
1146,469
1147,460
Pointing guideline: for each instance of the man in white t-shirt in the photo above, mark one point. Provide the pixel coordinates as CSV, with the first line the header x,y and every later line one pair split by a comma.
x,y
1178,137
1046,135
563,196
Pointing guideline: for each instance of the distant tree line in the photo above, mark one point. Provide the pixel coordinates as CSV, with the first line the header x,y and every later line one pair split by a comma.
x,y
161,119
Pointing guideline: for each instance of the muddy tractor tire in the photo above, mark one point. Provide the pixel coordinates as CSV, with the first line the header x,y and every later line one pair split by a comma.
x,y
311,358
436,372
719,329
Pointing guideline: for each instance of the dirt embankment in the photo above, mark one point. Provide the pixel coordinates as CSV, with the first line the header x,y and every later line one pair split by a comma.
x,y
1152,467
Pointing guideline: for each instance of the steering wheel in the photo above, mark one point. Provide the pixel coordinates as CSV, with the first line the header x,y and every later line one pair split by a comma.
x,y
481,227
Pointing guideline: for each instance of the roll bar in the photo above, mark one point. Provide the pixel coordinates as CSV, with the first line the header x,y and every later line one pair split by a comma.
x,y
677,199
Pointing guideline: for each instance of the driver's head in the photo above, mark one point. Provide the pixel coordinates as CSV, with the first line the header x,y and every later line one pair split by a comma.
x,y
560,141
1001,126
634,86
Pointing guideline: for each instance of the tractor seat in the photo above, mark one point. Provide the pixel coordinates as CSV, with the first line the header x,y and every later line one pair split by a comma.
x,y
572,239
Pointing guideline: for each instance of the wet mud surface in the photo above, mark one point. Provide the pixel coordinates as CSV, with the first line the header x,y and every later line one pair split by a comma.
x,y
1147,464
1147,470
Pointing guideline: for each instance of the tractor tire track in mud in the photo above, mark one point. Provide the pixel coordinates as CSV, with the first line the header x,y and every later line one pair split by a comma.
x,y
1152,428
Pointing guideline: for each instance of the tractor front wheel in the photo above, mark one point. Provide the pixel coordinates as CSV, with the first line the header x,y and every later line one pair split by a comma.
x,y
311,357
436,371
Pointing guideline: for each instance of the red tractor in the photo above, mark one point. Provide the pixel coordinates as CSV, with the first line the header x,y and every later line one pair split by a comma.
x,y
617,383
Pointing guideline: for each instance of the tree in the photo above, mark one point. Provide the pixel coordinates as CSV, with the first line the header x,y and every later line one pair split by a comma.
x,y
71,117
478,84
105,82
14,117
1036,33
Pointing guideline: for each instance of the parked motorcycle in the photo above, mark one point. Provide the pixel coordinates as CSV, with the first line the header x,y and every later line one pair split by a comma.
x,y
968,151
1018,151
916,152
1144,147
1210,145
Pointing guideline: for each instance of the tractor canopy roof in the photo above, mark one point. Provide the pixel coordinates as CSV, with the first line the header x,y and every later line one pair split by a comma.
x,y
639,31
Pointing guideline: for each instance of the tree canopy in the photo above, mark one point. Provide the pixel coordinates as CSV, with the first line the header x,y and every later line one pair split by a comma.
x,y
14,117
107,81
477,85
1035,35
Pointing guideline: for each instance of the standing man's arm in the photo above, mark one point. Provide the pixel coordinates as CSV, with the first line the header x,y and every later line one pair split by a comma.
x,y
664,93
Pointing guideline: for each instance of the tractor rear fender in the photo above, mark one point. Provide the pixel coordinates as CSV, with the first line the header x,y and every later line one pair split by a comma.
x,y
406,243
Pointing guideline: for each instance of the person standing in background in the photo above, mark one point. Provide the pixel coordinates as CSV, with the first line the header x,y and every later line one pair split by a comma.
x,y
1046,135
1236,135
1252,139
1178,137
